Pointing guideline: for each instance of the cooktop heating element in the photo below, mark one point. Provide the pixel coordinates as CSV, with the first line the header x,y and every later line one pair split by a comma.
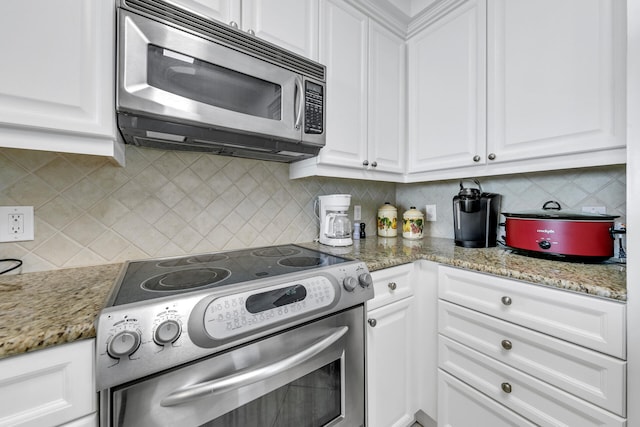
x,y
165,312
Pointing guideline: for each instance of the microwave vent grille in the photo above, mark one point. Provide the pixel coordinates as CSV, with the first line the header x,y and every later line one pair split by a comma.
x,y
227,36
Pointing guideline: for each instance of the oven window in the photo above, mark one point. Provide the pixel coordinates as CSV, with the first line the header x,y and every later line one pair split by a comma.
x,y
310,401
213,85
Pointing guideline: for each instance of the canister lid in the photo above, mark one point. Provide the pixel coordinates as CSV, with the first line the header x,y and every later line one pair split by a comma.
x,y
388,207
413,213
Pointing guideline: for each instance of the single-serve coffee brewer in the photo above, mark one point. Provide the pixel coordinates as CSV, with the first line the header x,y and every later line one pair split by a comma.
x,y
335,227
475,217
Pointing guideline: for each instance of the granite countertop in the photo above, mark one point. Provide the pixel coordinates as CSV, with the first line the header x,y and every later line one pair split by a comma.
x,y
38,310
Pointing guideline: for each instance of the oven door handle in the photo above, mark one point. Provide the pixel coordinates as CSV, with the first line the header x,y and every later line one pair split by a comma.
x,y
250,376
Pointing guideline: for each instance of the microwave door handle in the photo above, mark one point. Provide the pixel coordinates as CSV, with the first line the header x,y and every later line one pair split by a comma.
x,y
300,101
250,376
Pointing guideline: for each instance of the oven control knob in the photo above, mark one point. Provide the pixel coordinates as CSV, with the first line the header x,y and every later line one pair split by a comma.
x,y
365,280
123,344
349,283
167,332
544,244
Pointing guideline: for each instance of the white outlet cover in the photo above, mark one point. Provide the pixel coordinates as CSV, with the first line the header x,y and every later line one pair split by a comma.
x,y
28,234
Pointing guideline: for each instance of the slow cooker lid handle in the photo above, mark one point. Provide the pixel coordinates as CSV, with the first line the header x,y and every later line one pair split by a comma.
x,y
557,206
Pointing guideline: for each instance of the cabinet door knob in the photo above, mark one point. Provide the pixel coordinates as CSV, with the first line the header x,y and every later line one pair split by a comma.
x,y
506,387
372,322
506,344
476,158
491,156
506,300
365,163
374,164
251,32
392,286
233,24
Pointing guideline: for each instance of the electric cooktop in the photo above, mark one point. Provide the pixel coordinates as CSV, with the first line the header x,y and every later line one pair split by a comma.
x,y
148,279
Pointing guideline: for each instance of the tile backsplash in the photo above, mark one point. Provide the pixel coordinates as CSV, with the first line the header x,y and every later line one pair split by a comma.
x,y
573,189
89,211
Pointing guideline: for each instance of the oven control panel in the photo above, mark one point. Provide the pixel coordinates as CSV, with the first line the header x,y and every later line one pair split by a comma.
x,y
237,314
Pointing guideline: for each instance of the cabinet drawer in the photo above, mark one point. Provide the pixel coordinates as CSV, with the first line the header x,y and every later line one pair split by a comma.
x,y
48,387
535,400
592,376
454,395
585,320
391,284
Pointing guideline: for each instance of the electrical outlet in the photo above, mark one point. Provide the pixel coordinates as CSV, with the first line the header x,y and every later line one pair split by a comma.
x,y
431,212
16,223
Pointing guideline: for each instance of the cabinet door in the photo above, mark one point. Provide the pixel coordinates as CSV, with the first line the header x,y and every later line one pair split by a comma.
x,y
291,24
447,91
556,77
226,11
343,49
48,387
390,365
57,85
386,100
461,406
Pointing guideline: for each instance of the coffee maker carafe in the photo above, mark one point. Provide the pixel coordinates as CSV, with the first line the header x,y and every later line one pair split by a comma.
x,y
335,226
475,217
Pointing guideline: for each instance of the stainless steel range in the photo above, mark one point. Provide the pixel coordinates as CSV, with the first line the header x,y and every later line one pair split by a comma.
x,y
272,336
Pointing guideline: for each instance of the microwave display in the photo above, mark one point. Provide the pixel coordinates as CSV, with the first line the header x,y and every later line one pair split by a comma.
x,y
314,101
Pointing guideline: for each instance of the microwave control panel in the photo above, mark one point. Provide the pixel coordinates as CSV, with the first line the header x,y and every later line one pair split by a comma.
x,y
314,108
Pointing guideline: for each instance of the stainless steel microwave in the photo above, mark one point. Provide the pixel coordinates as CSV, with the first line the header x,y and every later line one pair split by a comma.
x,y
186,82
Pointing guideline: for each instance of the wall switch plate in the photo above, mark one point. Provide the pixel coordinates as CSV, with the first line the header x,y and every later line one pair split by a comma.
x,y
16,223
594,209
357,212
431,212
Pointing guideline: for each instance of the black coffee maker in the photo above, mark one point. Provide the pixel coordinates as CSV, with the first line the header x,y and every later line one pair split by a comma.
x,y
475,217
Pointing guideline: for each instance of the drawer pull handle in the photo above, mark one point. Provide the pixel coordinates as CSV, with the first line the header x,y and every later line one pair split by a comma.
x,y
506,344
372,322
506,387
506,300
393,286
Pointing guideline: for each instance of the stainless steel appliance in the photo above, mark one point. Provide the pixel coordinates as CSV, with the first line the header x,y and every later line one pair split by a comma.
x,y
271,336
475,217
186,82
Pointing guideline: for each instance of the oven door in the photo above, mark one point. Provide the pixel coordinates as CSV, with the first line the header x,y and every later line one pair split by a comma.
x,y
170,74
311,376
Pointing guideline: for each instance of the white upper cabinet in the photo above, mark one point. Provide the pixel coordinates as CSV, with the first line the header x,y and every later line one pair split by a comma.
x,y
387,123
365,97
447,91
343,49
227,11
290,24
541,87
57,87
556,77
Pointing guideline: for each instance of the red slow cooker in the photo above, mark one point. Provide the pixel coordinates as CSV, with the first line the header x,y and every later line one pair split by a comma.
x,y
562,233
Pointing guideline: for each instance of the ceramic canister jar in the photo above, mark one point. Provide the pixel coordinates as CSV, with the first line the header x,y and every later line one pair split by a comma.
x,y
412,224
387,220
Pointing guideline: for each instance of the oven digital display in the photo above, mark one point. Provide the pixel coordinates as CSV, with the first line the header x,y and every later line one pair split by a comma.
x,y
258,303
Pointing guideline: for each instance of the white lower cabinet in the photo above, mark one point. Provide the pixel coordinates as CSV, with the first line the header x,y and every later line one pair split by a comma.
x,y
550,356
462,406
49,387
391,358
